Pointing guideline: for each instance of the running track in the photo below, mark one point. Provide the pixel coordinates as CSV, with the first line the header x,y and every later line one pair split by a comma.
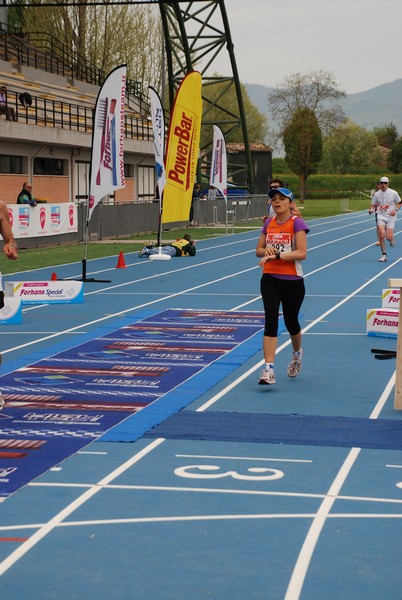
x,y
182,518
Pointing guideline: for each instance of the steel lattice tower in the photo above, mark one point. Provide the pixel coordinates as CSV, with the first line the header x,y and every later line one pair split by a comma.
x,y
195,33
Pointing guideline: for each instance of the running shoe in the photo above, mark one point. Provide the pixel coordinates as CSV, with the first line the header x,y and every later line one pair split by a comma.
x,y
295,365
392,242
383,258
143,252
267,377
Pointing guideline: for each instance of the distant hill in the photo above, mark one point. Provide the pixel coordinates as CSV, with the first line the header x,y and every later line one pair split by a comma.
x,y
375,107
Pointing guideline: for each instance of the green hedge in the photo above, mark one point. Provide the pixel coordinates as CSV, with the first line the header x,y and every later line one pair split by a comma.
x,y
338,186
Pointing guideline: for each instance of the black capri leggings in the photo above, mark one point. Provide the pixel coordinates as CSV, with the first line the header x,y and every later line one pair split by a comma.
x,y
288,291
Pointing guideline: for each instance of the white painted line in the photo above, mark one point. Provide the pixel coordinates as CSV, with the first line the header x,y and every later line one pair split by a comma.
x,y
45,529
127,310
303,561
304,558
253,458
232,385
234,517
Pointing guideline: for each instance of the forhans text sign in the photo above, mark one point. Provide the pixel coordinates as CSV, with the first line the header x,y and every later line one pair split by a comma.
x,y
39,292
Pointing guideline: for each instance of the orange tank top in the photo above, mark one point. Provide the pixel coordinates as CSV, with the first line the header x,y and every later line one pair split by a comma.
x,y
282,237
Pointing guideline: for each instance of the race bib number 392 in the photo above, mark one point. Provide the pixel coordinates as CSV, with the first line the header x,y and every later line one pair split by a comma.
x,y
280,241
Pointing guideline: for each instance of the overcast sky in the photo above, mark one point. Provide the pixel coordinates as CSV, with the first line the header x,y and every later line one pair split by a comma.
x,y
359,41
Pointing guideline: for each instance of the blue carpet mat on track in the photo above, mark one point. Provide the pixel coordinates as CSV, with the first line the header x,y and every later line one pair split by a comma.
x,y
281,429
61,403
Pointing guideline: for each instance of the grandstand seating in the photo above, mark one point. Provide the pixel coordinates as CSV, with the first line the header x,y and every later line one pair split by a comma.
x,y
58,99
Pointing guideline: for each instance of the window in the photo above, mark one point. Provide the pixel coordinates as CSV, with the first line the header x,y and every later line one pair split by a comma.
x,y
49,166
146,183
128,170
11,164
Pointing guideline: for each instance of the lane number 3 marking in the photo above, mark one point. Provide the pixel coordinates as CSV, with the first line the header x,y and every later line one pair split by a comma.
x,y
210,472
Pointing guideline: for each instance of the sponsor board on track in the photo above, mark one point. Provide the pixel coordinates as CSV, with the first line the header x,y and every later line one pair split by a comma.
x,y
11,313
382,323
390,298
39,292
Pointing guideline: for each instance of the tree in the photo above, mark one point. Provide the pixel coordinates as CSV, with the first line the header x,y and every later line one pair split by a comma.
x,y
303,146
395,157
105,35
257,126
387,135
317,91
350,148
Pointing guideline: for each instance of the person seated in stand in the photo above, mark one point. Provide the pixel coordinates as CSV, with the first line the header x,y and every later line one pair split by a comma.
x,y
25,196
181,247
25,99
5,109
274,184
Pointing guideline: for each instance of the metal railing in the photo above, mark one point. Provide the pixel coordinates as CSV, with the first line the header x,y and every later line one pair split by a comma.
x,y
14,48
76,66
56,113
111,221
40,50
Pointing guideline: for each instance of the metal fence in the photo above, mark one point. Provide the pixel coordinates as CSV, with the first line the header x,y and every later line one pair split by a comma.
x,y
114,221
56,113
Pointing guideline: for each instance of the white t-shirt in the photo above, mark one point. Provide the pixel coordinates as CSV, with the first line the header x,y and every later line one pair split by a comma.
x,y
385,201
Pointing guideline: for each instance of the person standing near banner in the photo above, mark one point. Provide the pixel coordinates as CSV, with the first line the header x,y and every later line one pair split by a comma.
x,y
281,247
25,196
194,200
10,250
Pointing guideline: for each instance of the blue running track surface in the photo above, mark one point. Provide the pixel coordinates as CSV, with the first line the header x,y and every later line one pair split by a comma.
x,y
238,491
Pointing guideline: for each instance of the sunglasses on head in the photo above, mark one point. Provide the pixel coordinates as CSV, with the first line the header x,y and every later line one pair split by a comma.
x,y
274,187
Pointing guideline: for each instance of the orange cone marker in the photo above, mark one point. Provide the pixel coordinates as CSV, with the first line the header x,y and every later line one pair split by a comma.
x,y
121,263
53,277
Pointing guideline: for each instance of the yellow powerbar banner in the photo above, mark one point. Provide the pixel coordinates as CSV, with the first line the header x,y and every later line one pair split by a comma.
x,y
183,149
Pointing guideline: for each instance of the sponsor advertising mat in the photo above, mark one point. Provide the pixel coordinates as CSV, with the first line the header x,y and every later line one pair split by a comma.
x,y
58,405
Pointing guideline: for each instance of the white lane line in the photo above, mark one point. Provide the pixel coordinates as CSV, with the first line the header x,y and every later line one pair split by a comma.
x,y
304,558
253,458
303,561
307,550
232,385
127,310
383,398
70,508
113,315
199,265
7,333
221,517
14,557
